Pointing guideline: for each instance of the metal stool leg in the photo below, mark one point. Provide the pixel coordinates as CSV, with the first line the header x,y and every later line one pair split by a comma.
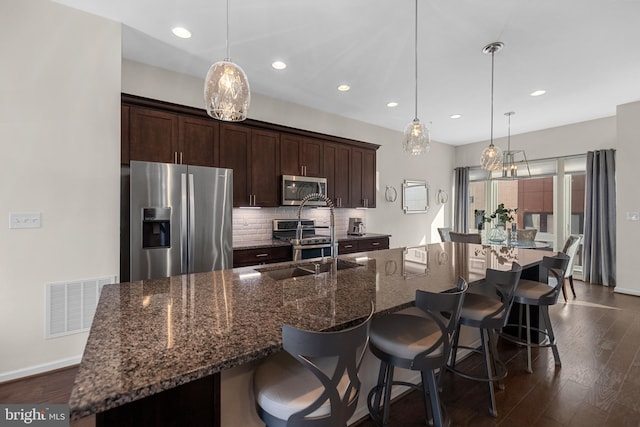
x,y
528,315
488,364
552,338
432,386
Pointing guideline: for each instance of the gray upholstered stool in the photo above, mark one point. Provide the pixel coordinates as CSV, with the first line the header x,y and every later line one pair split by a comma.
x,y
314,380
420,342
530,292
488,313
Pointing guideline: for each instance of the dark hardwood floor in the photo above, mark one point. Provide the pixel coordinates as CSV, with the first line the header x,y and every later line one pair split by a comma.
x,y
598,383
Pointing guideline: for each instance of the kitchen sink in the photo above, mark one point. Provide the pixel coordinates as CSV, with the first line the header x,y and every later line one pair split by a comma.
x,y
305,269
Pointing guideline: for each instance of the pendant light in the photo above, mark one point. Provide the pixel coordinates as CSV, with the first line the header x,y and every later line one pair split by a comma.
x,y
509,163
226,89
416,135
491,158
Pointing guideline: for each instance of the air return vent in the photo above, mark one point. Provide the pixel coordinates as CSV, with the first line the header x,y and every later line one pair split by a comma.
x,y
71,305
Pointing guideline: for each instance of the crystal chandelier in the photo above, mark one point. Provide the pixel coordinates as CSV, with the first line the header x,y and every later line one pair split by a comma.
x,y
416,135
491,158
226,89
509,162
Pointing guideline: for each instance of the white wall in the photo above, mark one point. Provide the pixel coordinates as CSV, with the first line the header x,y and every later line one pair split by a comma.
x,y
627,198
393,164
59,127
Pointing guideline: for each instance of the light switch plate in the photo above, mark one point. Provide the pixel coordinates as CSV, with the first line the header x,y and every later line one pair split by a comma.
x,y
633,216
24,220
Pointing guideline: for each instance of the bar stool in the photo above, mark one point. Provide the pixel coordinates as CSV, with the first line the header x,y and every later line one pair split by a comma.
x,y
488,313
314,380
530,292
419,342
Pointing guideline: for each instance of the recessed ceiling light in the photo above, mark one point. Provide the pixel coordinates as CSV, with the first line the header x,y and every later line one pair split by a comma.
x,y
538,92
279,65
344,88
392,104
183,33
455,116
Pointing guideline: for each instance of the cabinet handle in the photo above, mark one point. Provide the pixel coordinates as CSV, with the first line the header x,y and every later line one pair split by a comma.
x,y
181,162
175,157
261,255
375,244
348,246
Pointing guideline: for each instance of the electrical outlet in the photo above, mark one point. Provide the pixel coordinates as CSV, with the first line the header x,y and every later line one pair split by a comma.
x,y
24,220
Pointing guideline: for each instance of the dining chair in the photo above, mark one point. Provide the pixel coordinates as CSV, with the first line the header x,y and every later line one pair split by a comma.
x,y
444,234
571,247
314,380
528,234
465,237
488,313
531,292
419,339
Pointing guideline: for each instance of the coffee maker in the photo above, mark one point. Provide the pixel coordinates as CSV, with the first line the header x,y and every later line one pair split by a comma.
x,y
356,227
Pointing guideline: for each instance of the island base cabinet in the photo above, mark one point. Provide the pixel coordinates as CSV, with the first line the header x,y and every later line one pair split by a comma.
x,y
194,404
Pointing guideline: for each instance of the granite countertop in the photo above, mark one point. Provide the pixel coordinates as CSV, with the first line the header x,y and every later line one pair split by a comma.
x,y
153,335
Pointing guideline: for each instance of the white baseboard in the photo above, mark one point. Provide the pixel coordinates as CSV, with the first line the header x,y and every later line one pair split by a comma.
x,y
39,369
634,292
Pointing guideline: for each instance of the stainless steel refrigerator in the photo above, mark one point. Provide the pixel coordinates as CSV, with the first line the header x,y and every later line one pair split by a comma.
x,y
180,219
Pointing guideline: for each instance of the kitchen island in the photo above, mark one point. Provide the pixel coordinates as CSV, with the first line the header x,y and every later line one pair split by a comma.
x,y
158,346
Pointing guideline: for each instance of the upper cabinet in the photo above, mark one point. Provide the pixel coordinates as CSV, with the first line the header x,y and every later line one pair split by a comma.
x,y
363,178
336,168
259,153
253,156
300,155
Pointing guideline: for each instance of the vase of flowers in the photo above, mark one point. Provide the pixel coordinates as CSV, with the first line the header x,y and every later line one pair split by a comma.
x,y
501,216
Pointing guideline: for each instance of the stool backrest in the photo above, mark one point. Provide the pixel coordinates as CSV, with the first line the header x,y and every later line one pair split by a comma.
x,y
444,234
444,309
571,247
556,267
347,348
505,283
465,237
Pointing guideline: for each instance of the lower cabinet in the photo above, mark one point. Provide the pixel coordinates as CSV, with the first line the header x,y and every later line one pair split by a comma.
x,y
256,256
362,245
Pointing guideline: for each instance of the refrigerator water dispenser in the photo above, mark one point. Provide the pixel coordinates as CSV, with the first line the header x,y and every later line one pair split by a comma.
x,y
156,228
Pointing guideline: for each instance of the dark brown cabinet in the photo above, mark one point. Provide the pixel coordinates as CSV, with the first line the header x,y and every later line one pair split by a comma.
x,y
336,167
158,136
362,245
198,141
253,156
153,135
300,155
363,178
256,256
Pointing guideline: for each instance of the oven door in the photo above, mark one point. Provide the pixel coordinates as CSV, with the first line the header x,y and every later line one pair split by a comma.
x,y
311,251
295,188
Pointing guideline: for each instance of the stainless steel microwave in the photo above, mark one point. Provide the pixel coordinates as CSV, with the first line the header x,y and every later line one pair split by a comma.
x,y
295,188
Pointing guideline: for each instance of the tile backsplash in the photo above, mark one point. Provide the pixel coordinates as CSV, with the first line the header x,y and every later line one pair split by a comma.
x,y
256,224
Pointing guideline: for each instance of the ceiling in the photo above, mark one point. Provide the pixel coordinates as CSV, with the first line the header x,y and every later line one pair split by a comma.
x,y
584,53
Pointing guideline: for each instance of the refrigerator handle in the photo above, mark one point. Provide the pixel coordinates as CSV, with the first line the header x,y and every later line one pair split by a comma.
x,y
192,224
183,224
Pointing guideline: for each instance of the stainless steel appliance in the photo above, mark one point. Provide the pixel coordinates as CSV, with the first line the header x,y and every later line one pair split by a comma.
x,y
356,227
311,245
295,188
180,219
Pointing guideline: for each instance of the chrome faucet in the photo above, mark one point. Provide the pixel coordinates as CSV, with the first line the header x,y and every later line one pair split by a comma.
x,y
332,236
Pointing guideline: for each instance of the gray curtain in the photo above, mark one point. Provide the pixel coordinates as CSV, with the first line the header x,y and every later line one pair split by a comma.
x,y
599,245
461,190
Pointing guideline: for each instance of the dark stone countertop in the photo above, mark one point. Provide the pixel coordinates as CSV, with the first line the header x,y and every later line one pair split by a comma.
x,y
153,335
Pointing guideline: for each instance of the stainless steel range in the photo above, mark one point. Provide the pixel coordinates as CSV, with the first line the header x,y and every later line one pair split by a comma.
x,y
310,245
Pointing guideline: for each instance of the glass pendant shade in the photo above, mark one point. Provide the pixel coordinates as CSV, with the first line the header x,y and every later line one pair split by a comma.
x,y
416,138
491,158
226,92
